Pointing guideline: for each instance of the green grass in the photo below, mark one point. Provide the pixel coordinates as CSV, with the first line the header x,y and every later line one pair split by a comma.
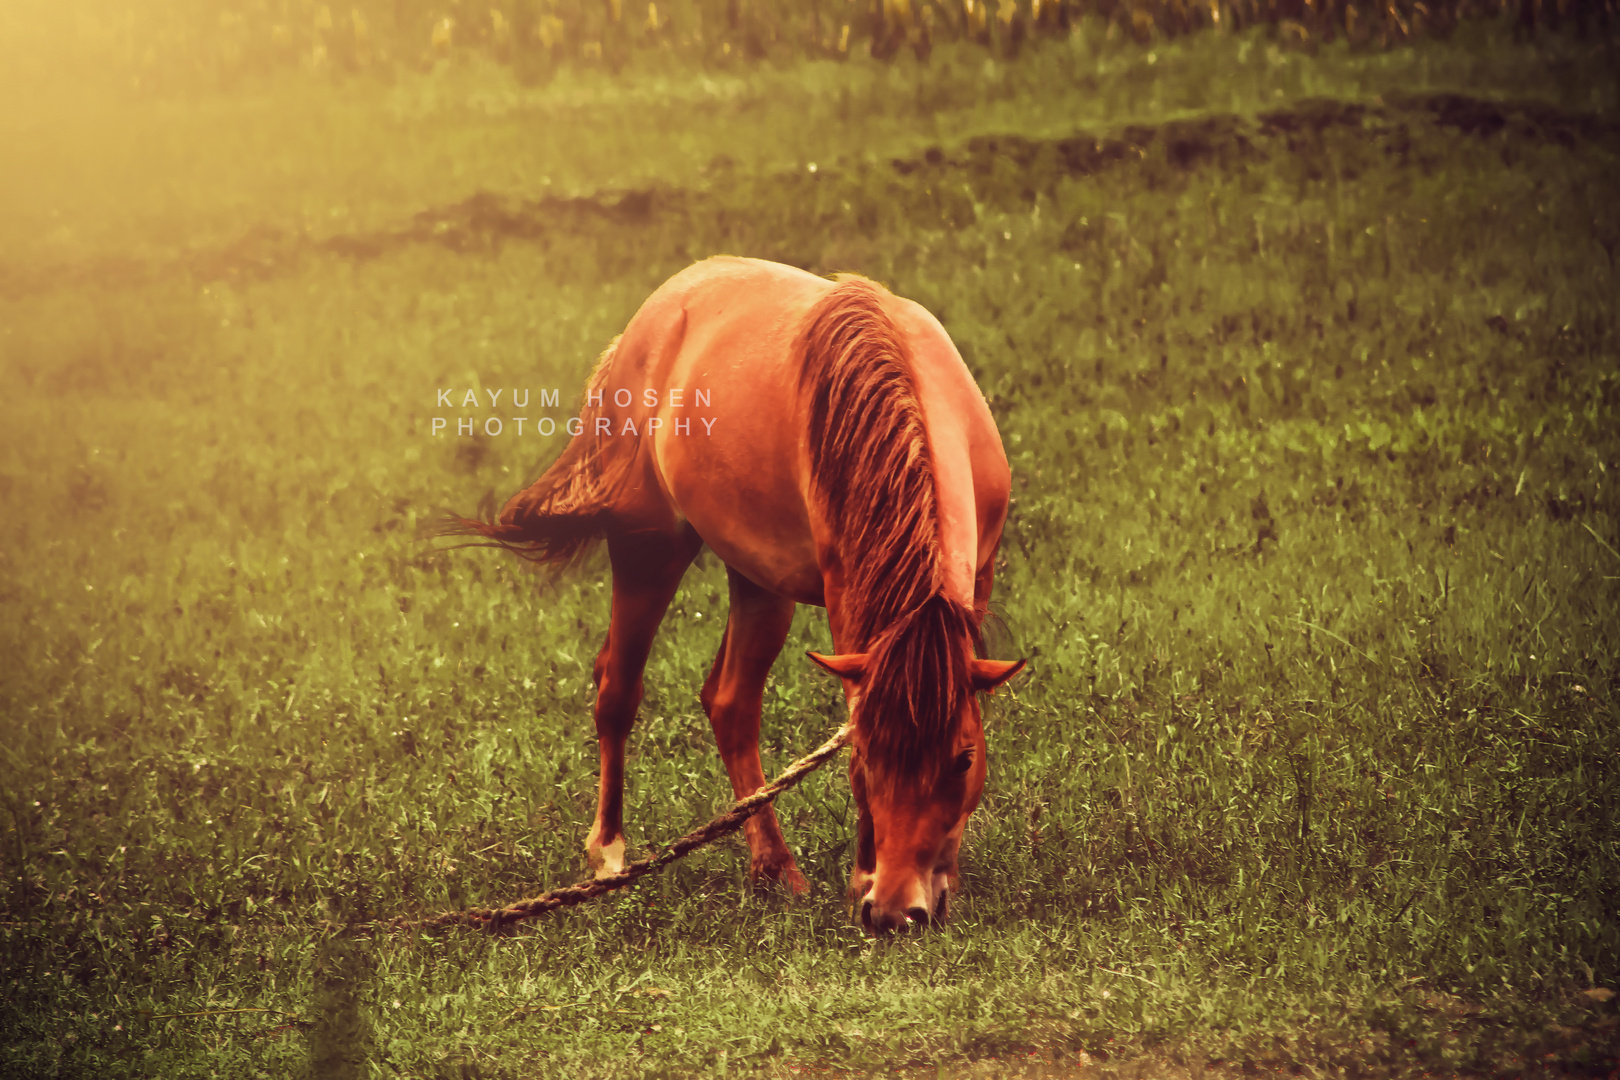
x,y
295,154
1313,421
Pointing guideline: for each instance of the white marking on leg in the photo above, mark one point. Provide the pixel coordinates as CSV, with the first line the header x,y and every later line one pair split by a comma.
x,y
605,859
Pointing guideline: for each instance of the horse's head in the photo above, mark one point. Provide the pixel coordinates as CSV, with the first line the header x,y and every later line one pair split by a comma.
x,y
917,770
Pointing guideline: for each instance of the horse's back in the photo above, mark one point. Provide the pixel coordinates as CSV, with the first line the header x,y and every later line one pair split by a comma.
x,y
711,357
727,453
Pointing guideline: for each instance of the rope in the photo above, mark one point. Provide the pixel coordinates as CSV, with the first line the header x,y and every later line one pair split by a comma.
x,y
722,824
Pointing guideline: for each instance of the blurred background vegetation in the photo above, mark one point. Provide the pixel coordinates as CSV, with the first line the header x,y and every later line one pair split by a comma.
x,y
186,44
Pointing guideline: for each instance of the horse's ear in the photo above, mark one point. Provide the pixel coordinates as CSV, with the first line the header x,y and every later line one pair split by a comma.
x,y
849,666
989,674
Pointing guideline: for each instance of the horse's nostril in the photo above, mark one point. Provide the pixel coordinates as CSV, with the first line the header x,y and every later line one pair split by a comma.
x,y
917,915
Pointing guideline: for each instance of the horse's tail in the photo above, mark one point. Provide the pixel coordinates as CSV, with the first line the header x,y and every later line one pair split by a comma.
x,y
560,516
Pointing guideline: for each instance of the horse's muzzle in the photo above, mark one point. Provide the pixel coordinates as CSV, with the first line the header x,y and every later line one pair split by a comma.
x,y
881,922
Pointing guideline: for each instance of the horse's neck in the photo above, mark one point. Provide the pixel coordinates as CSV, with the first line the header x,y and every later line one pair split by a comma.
x,y
954,506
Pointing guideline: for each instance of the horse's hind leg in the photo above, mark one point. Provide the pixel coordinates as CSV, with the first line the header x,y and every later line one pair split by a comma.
x,y
647,569
733,696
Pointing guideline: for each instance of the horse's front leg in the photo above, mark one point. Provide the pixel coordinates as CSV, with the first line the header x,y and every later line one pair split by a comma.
x,y
647,570
733,696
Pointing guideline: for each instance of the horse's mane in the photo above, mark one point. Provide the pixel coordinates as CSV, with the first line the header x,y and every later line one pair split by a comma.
x,y
870,465
917,672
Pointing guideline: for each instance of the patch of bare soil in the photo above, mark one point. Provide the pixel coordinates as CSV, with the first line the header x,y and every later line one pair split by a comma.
x,y
485,220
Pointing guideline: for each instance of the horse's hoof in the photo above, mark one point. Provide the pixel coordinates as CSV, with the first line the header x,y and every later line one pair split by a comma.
x,y
605,860
769,876
794,882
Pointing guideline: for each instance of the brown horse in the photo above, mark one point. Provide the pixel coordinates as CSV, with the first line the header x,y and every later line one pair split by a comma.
x,y
826,441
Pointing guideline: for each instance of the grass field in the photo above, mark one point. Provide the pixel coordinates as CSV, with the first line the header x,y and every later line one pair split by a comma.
x,y
1308,368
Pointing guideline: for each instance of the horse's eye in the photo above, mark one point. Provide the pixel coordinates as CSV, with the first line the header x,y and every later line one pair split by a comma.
x,y
964,762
